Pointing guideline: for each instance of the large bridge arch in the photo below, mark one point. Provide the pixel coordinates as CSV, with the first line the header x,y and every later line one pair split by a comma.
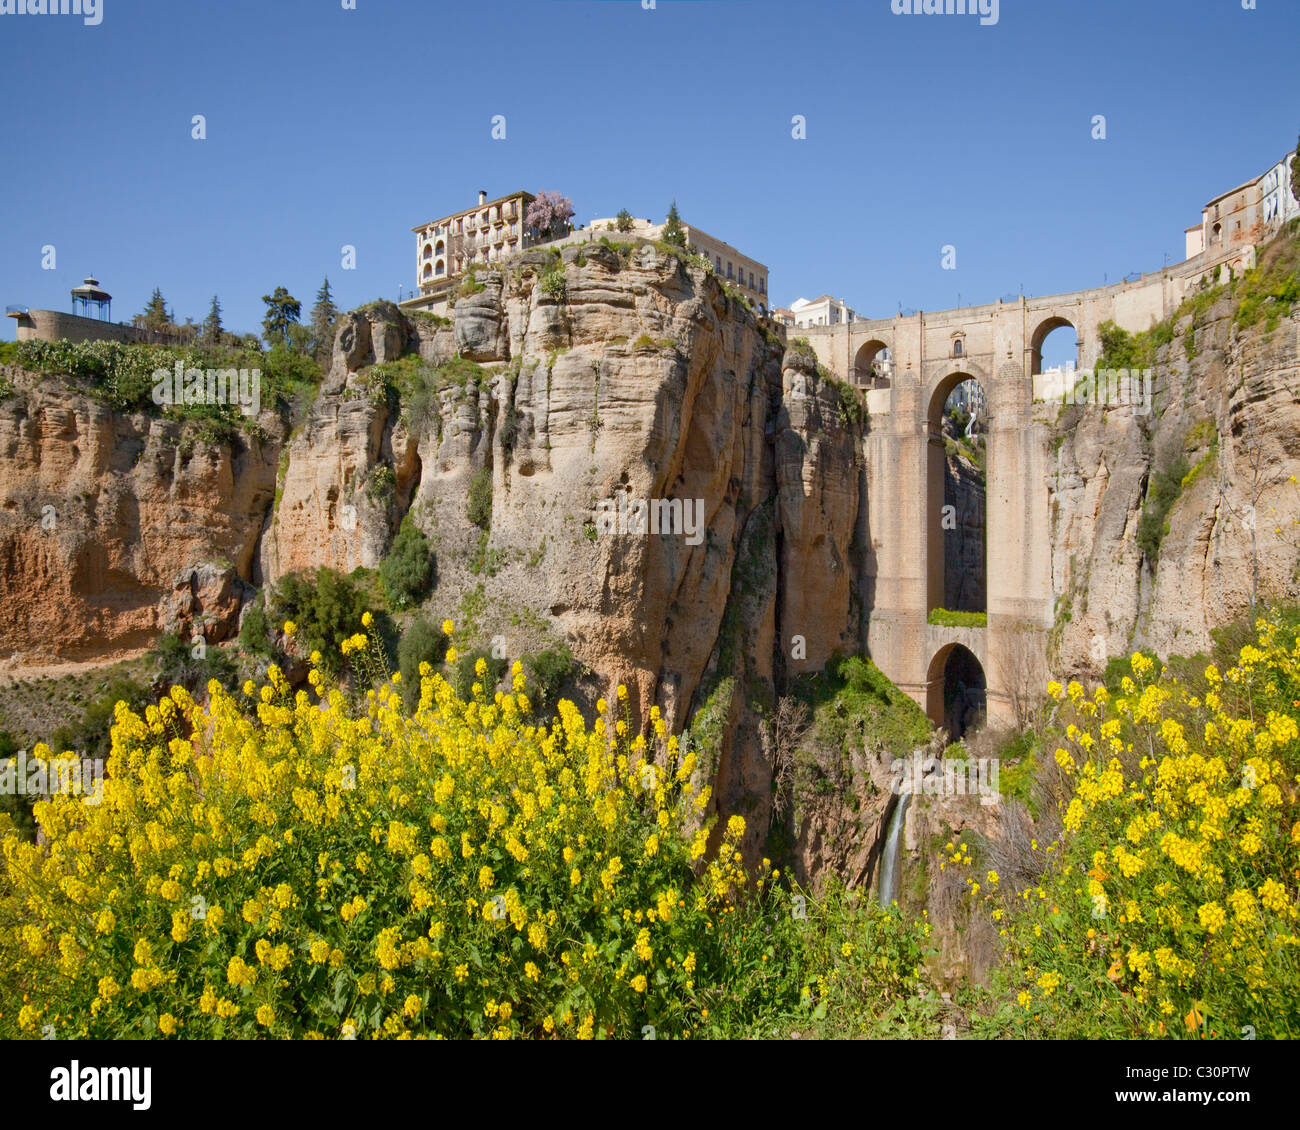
x,y
936,471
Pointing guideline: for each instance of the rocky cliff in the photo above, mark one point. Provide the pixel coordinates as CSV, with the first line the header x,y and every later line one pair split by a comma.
x,y
611,376
1211,468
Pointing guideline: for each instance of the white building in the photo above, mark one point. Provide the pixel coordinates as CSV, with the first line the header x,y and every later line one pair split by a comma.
x,y
823,311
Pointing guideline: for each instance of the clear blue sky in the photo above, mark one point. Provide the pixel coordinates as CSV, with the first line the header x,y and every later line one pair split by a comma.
x,y
329,127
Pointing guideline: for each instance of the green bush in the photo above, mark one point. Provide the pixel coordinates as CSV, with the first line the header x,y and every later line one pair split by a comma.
x,y
547,672
462,675
184,663
407,571
255,631
480,498
422,642
324,605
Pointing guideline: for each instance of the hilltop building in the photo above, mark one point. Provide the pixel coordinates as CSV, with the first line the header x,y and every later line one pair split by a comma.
x,y
493,230
1245,216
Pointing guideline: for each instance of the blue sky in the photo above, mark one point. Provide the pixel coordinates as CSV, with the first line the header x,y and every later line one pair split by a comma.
x,y
329,127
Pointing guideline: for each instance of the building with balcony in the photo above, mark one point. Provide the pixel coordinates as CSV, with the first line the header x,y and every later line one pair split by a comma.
x,y
449,246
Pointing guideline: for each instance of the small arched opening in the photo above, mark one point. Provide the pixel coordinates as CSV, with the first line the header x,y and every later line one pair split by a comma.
x,y
873,365
957,696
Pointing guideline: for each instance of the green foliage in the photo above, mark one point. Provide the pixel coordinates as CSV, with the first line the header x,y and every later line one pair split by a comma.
x,y
90,735
255,631
462,675
949,619
422,642
325,606
121,375
479,510
381,484
854,702
1270,290
547,672
554,283
282,311
673,231
191,664
407,571
1163,490
624,220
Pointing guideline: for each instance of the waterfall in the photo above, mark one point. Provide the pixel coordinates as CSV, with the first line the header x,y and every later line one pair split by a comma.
x,y
887,889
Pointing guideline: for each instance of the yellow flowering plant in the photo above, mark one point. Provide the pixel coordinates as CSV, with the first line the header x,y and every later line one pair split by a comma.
x,y
1170,905
284,863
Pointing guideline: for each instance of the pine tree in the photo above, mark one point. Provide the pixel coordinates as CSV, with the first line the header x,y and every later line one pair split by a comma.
x,y
324,315
282,311
212,324
673,232
155,316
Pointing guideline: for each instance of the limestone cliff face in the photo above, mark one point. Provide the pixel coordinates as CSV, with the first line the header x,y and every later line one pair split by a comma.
x,y
639,379
114,528
1226,415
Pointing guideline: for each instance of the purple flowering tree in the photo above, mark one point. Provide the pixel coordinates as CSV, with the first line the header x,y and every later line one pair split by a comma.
x,y
549,214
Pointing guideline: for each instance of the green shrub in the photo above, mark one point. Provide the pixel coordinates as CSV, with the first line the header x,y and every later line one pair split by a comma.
x,y
480,498
407,571
255,631
547,672
462,675
422,642
325,607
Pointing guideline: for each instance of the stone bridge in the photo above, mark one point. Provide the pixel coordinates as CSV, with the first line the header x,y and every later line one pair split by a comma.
x,y
1000,346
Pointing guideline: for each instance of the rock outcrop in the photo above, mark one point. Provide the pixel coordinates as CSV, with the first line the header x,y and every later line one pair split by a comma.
x,y
1226,430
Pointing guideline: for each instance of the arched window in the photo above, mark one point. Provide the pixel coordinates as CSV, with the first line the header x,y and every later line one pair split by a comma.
x,y
957,347
441,268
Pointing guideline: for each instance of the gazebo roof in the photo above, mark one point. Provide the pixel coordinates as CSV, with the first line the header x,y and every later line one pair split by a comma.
x,y
91,291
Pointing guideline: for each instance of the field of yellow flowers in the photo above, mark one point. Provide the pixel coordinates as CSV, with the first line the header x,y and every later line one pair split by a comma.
x,y
283,864
1168,907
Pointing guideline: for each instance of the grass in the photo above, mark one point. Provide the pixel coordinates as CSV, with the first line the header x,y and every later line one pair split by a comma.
x,y
945,618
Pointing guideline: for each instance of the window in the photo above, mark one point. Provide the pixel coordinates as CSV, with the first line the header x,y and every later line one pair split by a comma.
x,y
956,348
751,280
762,286
729,273
719,264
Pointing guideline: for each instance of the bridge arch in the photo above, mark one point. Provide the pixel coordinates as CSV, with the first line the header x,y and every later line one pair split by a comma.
x,y
957,690
1045,329
956,508
873,364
